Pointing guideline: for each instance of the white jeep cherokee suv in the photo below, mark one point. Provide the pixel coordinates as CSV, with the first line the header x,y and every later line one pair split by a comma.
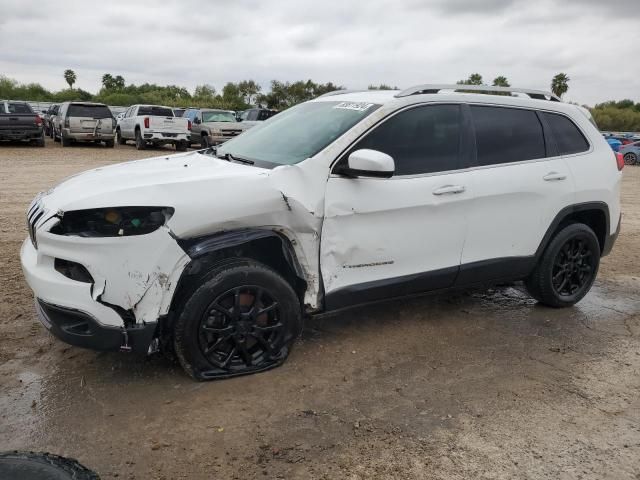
x,y
349,198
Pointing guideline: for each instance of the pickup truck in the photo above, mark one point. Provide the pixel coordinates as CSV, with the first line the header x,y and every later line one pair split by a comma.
x,y
213,127
153,124
18,121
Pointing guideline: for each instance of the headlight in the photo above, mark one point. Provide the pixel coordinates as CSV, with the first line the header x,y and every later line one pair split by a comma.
x,y
112,222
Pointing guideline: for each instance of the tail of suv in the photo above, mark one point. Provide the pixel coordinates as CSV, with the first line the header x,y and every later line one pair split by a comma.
x,y
84,122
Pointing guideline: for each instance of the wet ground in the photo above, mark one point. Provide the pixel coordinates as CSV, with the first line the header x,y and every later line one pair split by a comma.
x,y
465,386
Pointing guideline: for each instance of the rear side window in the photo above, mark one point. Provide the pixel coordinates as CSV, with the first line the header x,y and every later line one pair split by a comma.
x,y
155,111
505,135
568,137
19,108
89,111
421,140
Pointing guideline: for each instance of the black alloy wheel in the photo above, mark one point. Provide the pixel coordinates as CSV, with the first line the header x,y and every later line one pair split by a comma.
x,y
573,267
241,329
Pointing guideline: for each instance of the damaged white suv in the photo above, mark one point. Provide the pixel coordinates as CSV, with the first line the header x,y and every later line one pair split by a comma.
x,y
350,198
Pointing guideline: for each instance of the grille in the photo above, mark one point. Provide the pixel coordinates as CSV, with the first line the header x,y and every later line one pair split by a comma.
x,y
231,133
34,215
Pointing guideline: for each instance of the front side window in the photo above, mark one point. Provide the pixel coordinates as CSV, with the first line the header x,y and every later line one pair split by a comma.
x,y
297,133
568,137
421,140
505,135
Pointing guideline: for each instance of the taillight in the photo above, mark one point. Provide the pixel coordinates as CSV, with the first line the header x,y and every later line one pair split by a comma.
x,y
189,125
38,120
619,160
66,122
146,122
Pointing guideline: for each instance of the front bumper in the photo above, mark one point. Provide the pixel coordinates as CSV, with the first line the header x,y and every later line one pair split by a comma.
x,y
82,330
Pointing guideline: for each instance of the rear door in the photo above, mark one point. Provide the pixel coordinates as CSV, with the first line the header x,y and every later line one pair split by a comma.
x,y
401,235
519,185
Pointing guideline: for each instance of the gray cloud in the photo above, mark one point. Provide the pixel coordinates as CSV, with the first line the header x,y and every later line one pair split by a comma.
x,y
354,44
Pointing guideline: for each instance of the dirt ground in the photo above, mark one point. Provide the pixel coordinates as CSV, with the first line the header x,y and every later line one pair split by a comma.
x,y
477,385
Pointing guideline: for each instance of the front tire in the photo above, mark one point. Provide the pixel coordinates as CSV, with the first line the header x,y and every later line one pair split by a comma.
x,y
120,139
204,143
242,319
567,269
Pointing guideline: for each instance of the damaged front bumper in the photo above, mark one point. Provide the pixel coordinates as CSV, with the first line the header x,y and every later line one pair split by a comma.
x,y
132,281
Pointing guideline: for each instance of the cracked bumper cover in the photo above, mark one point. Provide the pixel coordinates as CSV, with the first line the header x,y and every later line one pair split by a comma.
x,y
136,275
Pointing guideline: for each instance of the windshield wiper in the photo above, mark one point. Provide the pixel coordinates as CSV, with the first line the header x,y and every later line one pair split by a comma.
x,y
231,158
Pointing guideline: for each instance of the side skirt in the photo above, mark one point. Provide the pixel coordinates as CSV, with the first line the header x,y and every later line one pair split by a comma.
x,y
487,272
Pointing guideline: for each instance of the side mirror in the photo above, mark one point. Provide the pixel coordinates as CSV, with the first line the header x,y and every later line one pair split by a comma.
x,y
369,163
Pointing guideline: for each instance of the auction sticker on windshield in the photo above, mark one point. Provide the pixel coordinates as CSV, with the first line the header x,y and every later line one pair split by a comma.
x,y
358,106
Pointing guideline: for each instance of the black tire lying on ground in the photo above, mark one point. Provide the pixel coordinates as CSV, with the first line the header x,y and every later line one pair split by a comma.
x,y
42,466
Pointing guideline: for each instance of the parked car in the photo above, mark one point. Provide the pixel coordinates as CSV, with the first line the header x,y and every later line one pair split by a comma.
x,y
18,121
255,115
84,122
630,153
48,118
342,200
153,124
213,126
614,143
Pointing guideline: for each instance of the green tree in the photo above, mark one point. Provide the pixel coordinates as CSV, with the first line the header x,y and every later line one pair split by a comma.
x,y
118,82
501,81
70,77
382,86
249,90
474,79
107,81
560,84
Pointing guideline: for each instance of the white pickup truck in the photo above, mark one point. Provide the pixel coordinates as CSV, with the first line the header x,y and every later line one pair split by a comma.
x,y
153,124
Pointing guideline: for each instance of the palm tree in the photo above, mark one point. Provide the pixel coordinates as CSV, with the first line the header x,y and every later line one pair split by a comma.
x,y
501,81
474,79
70,77
107,81
560,84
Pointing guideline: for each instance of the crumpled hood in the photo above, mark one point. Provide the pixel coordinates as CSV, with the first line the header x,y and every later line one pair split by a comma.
x,y
150,182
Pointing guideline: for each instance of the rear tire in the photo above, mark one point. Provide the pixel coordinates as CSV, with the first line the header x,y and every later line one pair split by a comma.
x,y
40,141
56,137
66,142
630,158
109,143
242,319
567,269
140,143
181,146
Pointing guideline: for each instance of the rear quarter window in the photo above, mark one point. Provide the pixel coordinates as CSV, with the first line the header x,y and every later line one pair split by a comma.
x,y
568,137
89,111
19,108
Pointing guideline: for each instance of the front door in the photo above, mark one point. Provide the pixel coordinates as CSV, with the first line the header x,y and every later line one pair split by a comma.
x,y
384,238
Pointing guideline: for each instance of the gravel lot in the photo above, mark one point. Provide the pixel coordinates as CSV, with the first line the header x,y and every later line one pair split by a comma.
x,y
466,386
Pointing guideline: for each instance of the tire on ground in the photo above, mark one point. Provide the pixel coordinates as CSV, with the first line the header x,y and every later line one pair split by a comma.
x,y
194,313
540,283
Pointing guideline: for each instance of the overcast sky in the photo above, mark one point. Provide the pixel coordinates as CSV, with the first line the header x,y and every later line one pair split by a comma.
x,y
351,43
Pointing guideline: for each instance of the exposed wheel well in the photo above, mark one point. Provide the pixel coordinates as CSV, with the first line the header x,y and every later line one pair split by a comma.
x,y
595,219
269,250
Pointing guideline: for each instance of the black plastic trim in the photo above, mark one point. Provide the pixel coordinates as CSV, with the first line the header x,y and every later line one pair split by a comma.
x,y
495,270
83,330
405,285
565,213
610,240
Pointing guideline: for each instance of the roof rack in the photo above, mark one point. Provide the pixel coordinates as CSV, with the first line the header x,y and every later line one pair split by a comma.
x,y
426,89
339,92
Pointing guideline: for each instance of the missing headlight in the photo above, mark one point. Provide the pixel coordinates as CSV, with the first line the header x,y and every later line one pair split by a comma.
x,y
112,222
73,270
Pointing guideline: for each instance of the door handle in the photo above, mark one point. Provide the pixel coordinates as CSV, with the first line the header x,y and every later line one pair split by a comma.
x,y
449,190
554,176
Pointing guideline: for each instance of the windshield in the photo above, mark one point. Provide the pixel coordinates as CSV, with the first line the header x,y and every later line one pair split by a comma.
x,y
218,117
297,133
